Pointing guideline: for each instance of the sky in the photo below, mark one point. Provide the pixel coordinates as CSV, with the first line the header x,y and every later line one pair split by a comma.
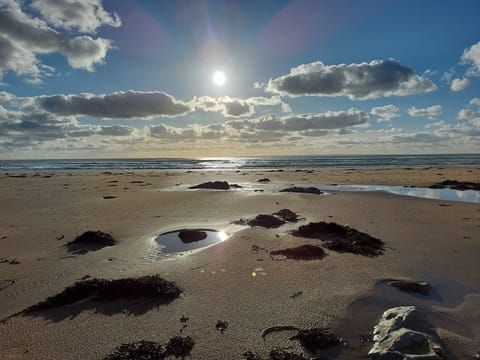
x,y
211,78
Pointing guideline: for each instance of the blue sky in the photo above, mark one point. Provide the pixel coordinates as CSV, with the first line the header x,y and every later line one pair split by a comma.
x,y
132,78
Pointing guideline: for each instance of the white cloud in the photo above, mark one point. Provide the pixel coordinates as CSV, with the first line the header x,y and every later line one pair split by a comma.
x,y
121,105
431,111
234,107
459,84
475,101
385,113
472,56
83,15
465,114
379,78
23,38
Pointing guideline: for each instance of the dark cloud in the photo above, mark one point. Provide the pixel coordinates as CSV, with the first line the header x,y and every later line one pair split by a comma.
x,y
378,78
121,105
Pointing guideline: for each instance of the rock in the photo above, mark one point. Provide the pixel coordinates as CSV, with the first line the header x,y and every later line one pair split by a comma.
x,y
307,190
421,287
404,333
216,185
189,236
263,180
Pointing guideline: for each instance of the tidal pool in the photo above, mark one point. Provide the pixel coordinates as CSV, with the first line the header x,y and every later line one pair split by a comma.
x,y
189,239
422,192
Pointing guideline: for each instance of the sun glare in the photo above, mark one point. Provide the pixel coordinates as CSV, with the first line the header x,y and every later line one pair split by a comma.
x,y
219,78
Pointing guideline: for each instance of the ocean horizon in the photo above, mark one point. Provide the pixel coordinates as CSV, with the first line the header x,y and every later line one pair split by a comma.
x,y
245,163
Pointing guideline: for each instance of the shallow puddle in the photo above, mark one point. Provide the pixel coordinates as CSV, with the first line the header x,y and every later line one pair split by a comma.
x,y
188,239
437,194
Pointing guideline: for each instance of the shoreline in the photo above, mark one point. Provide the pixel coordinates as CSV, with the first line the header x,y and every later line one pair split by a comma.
x,y
40,215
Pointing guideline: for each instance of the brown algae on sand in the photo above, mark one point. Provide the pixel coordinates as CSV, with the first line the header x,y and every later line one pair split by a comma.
x,y
152,286
90,241
304,252
178,347
270,221
342,238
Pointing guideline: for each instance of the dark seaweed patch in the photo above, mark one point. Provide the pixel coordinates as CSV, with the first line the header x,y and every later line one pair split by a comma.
x,y
109,290
180,347
342,238
303,190
316,339
216,185
304,252
90,241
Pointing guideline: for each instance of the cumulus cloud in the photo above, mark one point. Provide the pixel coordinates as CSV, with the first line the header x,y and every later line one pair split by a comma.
x,y
431,111
379,78
471,56
264,128
475,101
459,84
466,114
82,15
385,113
235,107
23,37
121,105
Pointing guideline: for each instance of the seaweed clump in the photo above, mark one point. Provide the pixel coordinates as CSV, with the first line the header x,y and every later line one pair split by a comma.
x,y
109,290
216,185
178,346
303,190
285,355
342,238
304,252
270,221
90,240
316,339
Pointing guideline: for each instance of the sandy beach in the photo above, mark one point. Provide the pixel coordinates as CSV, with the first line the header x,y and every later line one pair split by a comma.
x,y
236,280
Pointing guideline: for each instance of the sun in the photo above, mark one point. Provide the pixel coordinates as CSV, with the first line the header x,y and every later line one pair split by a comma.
x,y
219,78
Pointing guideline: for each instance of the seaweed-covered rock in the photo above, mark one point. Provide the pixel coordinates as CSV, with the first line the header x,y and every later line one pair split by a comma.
x,y
216,185
304,252
316,339
342,238
303,190
108,290
189,236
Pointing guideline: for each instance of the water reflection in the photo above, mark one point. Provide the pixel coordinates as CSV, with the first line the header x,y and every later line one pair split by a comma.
x,y
437,194
178,241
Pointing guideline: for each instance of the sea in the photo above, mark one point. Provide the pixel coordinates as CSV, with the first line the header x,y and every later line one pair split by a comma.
x,y
244,163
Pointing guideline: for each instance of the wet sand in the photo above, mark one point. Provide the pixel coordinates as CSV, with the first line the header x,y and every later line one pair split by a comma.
x,y
236,280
